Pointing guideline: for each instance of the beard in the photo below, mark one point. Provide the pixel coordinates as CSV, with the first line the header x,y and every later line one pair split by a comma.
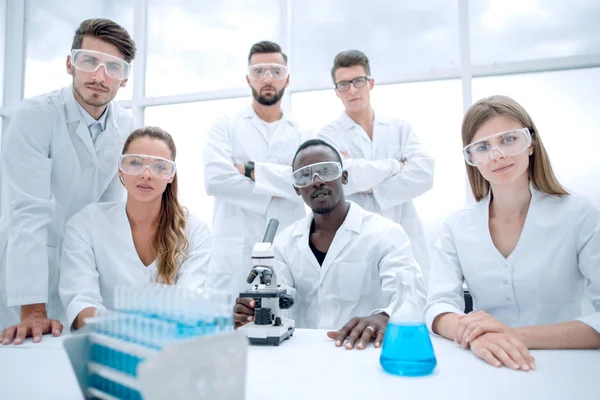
x,y
94,100
268,100
325,209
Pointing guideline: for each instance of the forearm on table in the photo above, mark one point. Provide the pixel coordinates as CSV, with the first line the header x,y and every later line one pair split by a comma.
x,y
88,312
566,335
445,325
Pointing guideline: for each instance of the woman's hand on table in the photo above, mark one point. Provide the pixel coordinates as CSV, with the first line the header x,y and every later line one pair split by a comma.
x,y
500,349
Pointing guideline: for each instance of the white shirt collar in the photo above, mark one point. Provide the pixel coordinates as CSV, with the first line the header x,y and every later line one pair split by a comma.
x,y
89,120
250,113
348,123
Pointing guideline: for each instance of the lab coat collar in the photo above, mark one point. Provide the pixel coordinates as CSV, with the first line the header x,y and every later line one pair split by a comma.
x,y
249,113
348,123
73,114
529,228
89,120
353,221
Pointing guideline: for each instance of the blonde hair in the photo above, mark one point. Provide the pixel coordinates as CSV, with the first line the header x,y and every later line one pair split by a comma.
x,y
540,170
170,241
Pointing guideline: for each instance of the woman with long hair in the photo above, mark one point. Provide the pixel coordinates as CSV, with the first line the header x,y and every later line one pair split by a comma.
x,y
149,238
528,250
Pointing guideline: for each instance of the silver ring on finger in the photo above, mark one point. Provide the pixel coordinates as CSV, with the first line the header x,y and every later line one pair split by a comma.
x,y
371,328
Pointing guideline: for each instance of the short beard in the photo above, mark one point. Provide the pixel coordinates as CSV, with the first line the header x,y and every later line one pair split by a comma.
x,y
91,102
268,101
325,210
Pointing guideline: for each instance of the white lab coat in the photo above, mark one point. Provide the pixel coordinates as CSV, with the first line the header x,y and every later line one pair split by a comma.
x,y
50,169
358,275
373,164
243,207
544,279
99,255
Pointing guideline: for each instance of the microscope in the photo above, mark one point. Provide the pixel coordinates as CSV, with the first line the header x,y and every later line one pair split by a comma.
x,y
268,326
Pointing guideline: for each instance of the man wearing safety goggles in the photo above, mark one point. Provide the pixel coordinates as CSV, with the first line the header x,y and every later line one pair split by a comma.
x,y
247,169
340,262
387,165
59,155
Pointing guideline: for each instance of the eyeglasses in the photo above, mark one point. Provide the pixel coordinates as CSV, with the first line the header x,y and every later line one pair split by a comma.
x,y
325,171
260,71
508,143
136,164
90,61
358,82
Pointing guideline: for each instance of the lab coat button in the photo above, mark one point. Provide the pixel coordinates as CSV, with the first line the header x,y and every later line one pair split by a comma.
x,y
508,299
505,282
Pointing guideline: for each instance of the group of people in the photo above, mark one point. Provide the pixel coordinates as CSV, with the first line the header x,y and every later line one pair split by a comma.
x,y
89,203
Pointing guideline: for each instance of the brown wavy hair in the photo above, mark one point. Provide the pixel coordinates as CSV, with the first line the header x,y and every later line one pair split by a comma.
x,y
540,170
107,31
170,241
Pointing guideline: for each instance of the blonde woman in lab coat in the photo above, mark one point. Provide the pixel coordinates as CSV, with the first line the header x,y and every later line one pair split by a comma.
x,y
528,251
150,238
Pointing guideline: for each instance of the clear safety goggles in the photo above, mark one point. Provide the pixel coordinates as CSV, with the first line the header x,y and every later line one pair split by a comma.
x,y
260,71
90,61
358,82
136,164
507,144
325,171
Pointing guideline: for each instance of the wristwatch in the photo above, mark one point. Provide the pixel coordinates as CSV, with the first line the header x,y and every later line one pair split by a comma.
x,y
249,167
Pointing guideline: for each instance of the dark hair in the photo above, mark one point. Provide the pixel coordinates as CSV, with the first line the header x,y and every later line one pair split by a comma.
x,y
107,31
266,47
170,241
316,142
350,58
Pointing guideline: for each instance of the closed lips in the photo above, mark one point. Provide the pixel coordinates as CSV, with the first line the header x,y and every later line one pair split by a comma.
x,y
503,168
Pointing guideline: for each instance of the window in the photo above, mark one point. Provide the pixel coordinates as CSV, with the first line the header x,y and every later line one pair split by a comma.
x,y
313,110
434,111
196,46
564,106
2,45
189,125
518,30
50,27
1,133
399,37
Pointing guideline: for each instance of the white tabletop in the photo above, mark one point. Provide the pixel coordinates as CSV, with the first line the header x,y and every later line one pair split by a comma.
x,y
309,366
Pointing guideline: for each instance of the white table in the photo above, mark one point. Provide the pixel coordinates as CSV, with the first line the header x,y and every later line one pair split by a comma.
x,y
309,366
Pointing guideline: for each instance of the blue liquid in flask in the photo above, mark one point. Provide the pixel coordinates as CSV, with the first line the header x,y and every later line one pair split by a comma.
x,y
407,350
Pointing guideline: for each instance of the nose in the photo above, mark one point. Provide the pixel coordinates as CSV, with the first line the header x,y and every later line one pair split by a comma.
x,y
100,73
352,89
496,154
146,173
317,180
268,77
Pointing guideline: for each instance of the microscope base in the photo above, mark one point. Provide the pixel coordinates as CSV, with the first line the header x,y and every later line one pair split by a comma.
x,y
267,334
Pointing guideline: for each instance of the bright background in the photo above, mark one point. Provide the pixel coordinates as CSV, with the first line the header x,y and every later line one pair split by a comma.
x,y
431,59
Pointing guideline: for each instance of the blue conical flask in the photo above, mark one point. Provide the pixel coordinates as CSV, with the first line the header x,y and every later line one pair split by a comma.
x,y
407,349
